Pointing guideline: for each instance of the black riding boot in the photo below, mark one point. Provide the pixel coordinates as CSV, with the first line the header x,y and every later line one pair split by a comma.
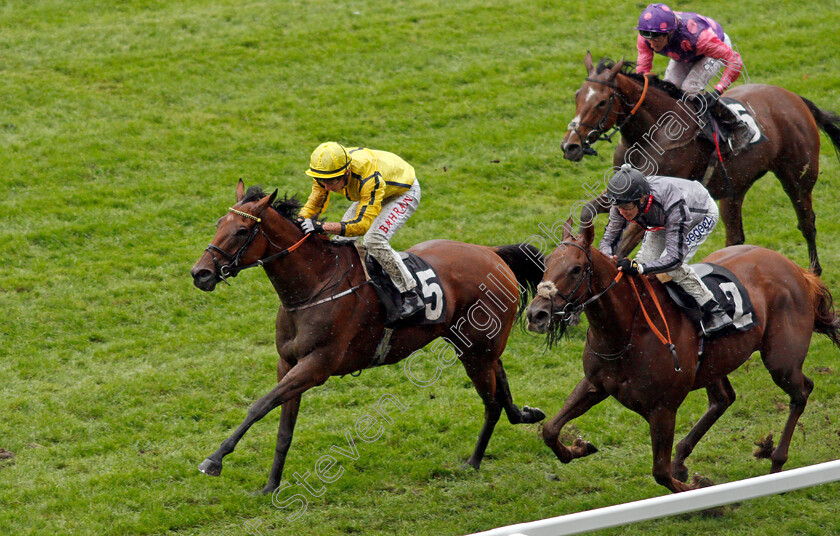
x,y
739,132
412,303
714,317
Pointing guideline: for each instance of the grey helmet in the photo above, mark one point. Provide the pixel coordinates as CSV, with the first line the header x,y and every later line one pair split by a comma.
x,y
627,185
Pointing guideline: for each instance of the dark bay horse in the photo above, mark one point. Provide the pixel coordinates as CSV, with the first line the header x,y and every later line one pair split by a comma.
x,y
625,359
330,322
662,137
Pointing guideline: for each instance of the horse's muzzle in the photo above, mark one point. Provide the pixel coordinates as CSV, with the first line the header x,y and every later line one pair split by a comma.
x,y
538,317
573,152
204,273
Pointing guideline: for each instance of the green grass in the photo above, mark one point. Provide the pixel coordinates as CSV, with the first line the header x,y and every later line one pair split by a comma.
x,y
124,127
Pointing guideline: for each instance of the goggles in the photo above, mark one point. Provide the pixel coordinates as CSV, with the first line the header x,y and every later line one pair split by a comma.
x,y
652,35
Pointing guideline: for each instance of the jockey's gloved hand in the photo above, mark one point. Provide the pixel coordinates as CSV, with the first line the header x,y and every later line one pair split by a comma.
x,y
627,266
312,226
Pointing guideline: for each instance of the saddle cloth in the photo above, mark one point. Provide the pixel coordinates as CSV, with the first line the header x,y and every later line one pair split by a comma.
x,y
428,284
727,290
742,113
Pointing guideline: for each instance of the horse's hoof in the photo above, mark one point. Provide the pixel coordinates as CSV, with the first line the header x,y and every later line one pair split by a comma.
x,y
267,490
532,415
471,465
210,467
585,448
698,482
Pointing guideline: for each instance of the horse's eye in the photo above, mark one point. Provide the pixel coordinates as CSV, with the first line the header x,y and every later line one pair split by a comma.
x,y
602,103
241,232
576,270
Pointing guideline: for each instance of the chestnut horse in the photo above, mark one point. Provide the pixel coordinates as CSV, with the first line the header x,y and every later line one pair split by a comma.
x,y
330,321
624,357
659,135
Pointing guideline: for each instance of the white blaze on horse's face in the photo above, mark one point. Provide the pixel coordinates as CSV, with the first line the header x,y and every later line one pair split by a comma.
x,y
591,95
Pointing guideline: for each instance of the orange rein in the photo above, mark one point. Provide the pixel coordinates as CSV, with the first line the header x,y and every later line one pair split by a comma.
x,y
664,339
644,94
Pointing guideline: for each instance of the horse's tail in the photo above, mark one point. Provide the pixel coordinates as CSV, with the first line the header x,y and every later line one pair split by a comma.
x,y
828,121
826,320
526,261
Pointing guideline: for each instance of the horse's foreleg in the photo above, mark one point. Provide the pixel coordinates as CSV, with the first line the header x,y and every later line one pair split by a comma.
x,y
662,422
288,417
515,415
305,375
721,395
730,213
583,397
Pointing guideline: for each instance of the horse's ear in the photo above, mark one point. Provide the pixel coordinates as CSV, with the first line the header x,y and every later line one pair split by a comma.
x,y
568,233
616,68
240,190
587,61
265,202
588,235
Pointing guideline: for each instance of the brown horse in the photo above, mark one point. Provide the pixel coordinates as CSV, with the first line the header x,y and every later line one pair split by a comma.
x,y
662,137
624,358
331,322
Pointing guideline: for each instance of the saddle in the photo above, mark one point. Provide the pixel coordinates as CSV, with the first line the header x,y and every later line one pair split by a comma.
x,y
428,283
729,292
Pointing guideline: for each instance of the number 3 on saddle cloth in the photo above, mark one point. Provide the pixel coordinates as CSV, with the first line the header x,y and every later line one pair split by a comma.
x,y
428,283
727,290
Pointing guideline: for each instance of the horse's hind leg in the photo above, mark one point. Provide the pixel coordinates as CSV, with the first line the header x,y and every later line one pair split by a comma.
x,y
515,415
721,395
798,185
584,396
484,380
787,374
730,213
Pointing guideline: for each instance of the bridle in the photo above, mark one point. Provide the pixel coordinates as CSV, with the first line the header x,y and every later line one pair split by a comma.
x,y
576,305
598,132
233,267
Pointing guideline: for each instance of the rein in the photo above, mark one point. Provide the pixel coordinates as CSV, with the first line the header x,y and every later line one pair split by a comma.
x,y
664,339
600,128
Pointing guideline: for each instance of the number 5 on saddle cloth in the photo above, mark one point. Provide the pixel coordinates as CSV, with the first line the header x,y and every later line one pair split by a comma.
x,y
428,283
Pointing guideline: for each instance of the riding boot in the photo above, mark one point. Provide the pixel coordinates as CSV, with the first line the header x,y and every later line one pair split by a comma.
x,y
738,132
714,317
412,303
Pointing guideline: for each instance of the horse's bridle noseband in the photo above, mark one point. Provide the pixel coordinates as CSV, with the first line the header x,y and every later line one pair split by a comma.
x,y
232,268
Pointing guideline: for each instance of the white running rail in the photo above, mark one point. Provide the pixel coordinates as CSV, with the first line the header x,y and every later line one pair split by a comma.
x,y
677,503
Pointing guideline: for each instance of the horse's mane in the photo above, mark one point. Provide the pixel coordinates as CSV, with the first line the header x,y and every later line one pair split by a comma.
x,y
288,207
628,69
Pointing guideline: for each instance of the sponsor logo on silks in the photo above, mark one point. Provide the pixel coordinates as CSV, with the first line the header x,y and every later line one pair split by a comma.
x,y
700,230
396,212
